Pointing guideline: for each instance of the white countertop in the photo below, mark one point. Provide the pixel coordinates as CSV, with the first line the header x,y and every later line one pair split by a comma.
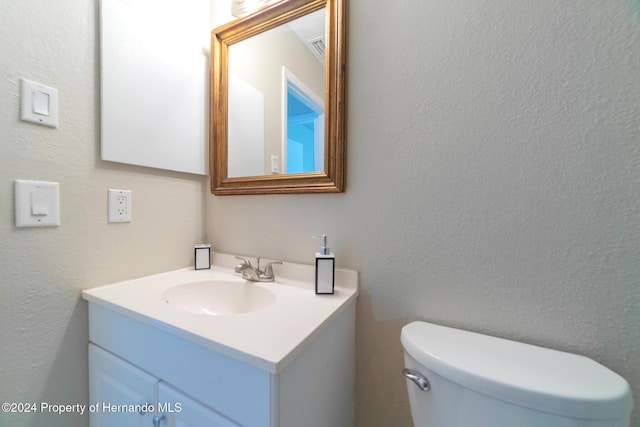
x,y
267,338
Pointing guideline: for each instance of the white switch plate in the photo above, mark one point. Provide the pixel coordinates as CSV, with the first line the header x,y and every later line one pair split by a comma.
x,y
37,203
120,206
39,103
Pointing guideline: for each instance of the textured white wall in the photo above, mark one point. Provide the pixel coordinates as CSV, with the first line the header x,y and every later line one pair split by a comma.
x,y
43,323
493,184
493,174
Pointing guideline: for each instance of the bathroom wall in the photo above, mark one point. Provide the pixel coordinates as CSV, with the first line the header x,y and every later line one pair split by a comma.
x,y
43,322
493,183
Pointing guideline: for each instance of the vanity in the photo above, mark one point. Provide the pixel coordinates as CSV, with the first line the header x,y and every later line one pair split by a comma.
x,y
207,348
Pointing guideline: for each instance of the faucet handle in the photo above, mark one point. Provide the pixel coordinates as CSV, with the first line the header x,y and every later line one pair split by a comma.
x,y
268,270
245,264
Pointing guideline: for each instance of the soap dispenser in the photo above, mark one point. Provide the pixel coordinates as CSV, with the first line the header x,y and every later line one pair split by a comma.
x,y
325,268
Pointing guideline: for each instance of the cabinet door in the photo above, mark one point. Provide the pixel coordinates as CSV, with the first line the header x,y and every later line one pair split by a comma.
x,y
178,410
115,386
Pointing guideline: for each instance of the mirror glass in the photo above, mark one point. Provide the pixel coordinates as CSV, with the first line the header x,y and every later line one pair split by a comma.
x,y
276,107
277,100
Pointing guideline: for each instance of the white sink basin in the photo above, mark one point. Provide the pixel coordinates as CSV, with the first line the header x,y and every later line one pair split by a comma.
x,y
218,297
287,315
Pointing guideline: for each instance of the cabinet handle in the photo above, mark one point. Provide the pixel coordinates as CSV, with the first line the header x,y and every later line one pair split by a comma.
x,y
156,420
142,410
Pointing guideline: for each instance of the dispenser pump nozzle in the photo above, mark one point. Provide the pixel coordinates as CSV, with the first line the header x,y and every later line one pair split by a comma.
x,y
324,250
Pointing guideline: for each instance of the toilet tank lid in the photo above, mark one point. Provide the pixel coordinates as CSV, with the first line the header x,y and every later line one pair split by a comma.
x,y
535,377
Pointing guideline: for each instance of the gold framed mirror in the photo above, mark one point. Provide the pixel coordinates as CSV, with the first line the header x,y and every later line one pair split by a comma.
x,y
255,147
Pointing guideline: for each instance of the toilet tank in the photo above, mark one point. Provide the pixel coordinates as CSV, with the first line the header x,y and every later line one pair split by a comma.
x,y
483,381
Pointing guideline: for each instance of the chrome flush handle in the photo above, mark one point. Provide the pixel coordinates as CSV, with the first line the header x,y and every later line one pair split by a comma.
x,y
417,378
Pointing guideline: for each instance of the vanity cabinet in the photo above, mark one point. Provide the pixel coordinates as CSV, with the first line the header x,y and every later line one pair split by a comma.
x,y
189,414
125,395
134,361
115,382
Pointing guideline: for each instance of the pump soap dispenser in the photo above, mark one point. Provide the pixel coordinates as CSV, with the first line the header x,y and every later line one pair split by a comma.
x,y
325,268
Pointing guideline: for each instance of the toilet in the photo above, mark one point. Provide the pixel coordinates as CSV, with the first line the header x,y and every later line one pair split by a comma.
x,y
457,378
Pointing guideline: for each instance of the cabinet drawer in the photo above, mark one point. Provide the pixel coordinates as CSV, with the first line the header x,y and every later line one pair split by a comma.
x,y
235,389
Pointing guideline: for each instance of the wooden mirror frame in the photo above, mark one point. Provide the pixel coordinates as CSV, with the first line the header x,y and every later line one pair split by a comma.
x,y
332,179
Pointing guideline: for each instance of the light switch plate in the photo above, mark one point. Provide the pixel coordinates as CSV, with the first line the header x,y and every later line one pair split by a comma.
x,y
39,103
37,203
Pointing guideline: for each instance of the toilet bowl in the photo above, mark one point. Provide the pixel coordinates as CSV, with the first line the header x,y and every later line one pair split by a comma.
x,y
457,378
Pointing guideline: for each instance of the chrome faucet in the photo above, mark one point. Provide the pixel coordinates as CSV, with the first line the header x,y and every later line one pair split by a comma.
x,y
249,272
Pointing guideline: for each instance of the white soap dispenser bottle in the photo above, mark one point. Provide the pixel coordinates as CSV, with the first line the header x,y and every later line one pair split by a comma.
x,y
325,268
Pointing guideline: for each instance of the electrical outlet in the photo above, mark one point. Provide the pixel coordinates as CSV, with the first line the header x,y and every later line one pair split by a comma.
x,y
119,206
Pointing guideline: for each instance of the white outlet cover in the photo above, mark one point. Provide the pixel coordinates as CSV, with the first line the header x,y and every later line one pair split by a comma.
x,y
120,206
37,203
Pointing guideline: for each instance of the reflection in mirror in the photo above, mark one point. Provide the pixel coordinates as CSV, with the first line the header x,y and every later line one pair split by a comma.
x,y
282,68
278,100
303,126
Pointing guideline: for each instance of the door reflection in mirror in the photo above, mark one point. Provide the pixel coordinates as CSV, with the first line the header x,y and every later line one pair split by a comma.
x,y
303,136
